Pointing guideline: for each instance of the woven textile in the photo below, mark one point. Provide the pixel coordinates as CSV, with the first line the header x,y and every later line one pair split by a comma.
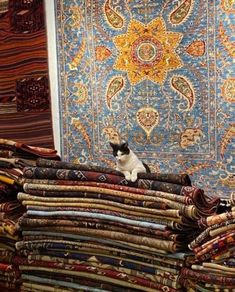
x,y
213,266
91,225
14,156
150,72
24,82
128,236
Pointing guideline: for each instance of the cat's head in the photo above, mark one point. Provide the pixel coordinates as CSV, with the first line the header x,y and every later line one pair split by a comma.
x,y
120,151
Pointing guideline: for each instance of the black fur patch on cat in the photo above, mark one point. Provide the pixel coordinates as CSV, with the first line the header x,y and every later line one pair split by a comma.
x,y
123,147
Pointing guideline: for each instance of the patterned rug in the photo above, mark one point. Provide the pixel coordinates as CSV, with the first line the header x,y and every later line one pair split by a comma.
x,y
25,114
159,74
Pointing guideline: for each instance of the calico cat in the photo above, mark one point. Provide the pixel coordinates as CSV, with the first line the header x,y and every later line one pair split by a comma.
x,y
127,161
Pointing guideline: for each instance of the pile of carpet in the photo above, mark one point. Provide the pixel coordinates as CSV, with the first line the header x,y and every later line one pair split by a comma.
x,y
10,212
214,264
87,228
14,157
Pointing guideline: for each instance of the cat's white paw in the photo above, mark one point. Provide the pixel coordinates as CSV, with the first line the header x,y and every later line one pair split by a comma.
x,y
134,178
128,176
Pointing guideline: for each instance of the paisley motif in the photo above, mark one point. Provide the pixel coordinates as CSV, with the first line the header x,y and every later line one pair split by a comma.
x,y
114,86
228,90
82,130
181,13
182,86
113,18
148,119
196,48
102,53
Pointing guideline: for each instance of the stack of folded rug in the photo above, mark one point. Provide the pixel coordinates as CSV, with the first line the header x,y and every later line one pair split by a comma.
x,y
87,227
14,157
214,249
10,212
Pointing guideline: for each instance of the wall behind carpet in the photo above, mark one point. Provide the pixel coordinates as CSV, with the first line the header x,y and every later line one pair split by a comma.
x,y
158,73
25,106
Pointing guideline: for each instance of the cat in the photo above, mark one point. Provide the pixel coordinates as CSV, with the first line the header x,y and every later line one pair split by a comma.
x,y
127,162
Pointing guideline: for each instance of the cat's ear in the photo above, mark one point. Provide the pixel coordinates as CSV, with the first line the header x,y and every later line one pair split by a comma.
x,y
125,145
112,144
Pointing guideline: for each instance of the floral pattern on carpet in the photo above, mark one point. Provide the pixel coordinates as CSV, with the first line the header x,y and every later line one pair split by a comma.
x,y
159,74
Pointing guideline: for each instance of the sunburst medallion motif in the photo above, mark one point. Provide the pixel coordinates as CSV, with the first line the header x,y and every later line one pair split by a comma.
x,y
147,51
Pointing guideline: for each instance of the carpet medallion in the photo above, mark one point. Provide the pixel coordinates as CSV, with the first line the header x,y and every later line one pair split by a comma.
x,y
158,73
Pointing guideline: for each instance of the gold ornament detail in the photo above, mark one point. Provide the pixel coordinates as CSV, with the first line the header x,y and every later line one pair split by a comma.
x,y
102,53
112,134
227,139
225,40
76,17
228,181
228,5
147,51
82,130
228,90
81,94
190,137
148,119
77,59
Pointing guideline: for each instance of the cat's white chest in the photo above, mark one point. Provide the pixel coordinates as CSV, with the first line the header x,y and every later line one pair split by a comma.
x,y
130,166
128,162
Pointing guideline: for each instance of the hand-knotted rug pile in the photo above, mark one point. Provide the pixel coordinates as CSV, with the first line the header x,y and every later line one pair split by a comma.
x,y
214,249
87,228
14,157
